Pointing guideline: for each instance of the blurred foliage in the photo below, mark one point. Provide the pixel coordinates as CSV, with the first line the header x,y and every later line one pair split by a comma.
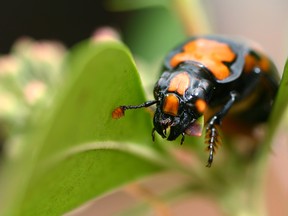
x,y
61,146
80,117
29,77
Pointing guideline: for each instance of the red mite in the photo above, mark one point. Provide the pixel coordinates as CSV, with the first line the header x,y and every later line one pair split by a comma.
x,y
205,74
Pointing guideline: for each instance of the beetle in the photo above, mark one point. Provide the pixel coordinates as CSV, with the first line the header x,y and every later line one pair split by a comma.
x,y
215,77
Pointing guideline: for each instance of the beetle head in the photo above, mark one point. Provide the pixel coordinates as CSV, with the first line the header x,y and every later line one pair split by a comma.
x,y
173,114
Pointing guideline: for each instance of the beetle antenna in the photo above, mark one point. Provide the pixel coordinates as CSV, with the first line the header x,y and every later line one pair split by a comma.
x,y
120,111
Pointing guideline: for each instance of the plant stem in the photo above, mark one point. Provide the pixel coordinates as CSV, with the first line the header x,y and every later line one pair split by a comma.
x,y
193,16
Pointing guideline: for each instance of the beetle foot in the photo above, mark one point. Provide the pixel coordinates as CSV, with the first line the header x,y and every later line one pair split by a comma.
x,y
213,140
182,139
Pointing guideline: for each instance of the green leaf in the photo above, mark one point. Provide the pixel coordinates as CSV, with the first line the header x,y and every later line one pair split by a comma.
x,y
103,80
76,151
281,102
153,32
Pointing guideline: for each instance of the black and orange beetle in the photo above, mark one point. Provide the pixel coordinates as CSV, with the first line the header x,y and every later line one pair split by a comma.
x,y
210,74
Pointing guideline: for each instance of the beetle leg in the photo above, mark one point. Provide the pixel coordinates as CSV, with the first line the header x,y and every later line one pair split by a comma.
x,y
212,135
212,140
182,139
120,111
153,134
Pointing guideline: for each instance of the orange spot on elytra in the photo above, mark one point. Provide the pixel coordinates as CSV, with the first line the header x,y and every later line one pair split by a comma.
x,y
264,64
179,83
212,54
200,105
171,105
250,62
